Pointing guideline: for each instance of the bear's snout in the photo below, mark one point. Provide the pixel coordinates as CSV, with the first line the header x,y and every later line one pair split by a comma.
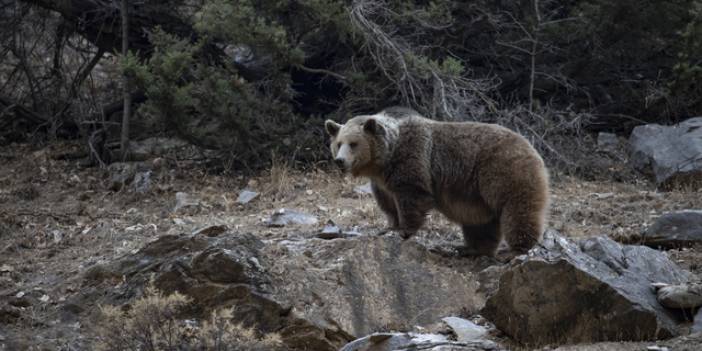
x,y
340,163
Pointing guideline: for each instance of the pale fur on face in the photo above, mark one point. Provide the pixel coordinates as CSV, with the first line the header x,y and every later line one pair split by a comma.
x,y
359,146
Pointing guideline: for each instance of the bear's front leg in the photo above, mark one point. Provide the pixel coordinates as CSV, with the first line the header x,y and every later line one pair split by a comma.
x,y
412,212
386,202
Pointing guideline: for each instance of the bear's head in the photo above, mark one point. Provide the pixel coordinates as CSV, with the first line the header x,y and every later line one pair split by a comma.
x,y
360,145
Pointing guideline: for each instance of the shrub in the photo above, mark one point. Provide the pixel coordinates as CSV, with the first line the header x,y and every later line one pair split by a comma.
x,y
154,323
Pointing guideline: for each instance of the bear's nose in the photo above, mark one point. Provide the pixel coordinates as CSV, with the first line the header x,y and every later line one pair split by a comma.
x,y
339,162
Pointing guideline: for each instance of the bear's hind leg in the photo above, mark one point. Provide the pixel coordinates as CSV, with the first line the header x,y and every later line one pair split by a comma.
x,y
522,226
481,239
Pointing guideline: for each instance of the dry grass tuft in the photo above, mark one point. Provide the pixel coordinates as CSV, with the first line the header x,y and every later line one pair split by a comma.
x,y
153,324
280,178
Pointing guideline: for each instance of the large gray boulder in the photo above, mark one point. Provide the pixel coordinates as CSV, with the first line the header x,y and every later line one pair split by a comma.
x,y
592,290
672,154
372,283
674,230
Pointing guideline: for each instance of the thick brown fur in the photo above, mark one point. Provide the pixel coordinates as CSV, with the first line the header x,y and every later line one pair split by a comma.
x,y
484,177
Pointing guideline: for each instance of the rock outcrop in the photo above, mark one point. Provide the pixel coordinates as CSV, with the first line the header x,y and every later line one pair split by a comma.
x,y
317,294
592,290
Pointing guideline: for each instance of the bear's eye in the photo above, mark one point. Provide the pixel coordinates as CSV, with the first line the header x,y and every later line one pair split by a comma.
x,y
338,145
353,145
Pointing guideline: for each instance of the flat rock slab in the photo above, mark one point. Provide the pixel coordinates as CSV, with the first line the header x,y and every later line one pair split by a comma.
x,y
673,154
674,230
587,291
414,341
285,217
464,329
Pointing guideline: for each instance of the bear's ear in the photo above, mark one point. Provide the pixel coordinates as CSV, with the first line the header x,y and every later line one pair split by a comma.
x,y
373,127
332,127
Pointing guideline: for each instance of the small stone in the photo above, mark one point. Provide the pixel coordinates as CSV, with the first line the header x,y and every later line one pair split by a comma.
x,y
465,330
211,231
6,268
184,200
681,296
330,228
332,231
364,189
44,298
245,196
657,348
285,217
602,196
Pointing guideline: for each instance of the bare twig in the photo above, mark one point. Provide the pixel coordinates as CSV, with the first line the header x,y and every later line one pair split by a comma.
x,y
420,81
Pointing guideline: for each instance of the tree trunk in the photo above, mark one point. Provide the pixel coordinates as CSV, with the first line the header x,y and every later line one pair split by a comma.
x,y
124,140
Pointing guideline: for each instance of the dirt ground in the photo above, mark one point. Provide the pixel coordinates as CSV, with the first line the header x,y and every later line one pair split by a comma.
x,y
58,219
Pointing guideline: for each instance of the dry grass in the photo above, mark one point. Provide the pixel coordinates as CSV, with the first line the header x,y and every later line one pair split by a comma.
x,y
279,183
153,324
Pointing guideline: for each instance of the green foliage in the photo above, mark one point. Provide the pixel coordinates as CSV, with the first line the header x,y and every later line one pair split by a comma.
x,y
162,78
241,22
210,105
688,70
317,58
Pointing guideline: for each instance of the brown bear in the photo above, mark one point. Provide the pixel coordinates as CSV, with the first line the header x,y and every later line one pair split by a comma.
x,y
485,177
